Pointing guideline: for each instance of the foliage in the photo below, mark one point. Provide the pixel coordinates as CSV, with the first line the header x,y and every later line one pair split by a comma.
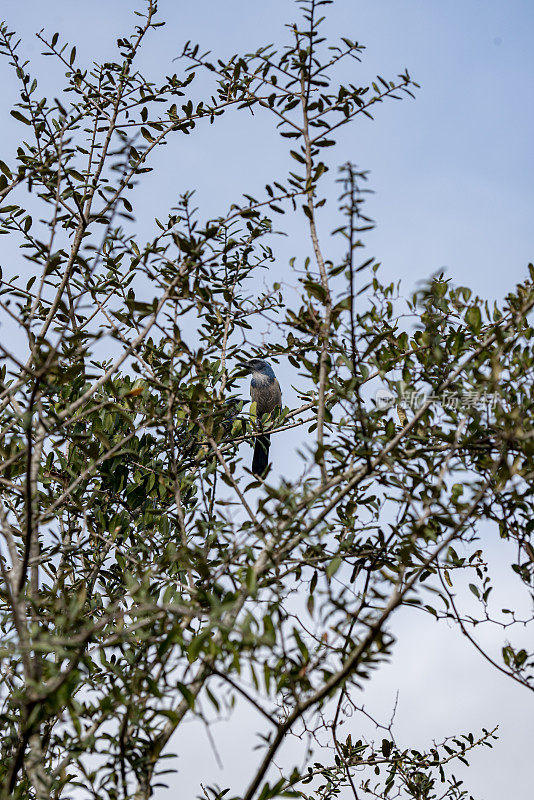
x,y
134,593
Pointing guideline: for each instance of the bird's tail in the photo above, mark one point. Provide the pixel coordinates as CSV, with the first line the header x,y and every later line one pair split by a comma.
x,y
261,454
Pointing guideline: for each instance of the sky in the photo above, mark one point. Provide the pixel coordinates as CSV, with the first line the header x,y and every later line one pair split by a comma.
x,y
452,173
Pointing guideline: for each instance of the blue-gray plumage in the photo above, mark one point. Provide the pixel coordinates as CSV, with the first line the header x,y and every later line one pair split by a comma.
x,y
265,392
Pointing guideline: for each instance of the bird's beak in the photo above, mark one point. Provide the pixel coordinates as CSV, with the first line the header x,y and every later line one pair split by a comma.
x,y
243,368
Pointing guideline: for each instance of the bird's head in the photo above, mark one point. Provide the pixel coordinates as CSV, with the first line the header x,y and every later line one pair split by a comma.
x,y
257,365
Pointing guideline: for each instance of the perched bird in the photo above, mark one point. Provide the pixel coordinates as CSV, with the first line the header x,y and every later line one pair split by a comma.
x,y
265,392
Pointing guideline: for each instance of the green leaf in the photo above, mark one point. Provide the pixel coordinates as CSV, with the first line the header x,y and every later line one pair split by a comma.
x,y
20,117
251,581
186,693
297,157
5,169
333,566
147,135
473,318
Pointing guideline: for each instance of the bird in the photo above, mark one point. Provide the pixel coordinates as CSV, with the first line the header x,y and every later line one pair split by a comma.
x,y
266,393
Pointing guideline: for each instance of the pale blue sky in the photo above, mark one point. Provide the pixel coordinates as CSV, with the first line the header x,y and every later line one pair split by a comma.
x,y
453,176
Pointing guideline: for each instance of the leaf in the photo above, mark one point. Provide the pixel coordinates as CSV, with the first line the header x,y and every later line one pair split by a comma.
x,y
195,646
213,699
473,318
147,135
386,748
297,157
20,117
457,491
333,566
187,694
5,169
251,581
